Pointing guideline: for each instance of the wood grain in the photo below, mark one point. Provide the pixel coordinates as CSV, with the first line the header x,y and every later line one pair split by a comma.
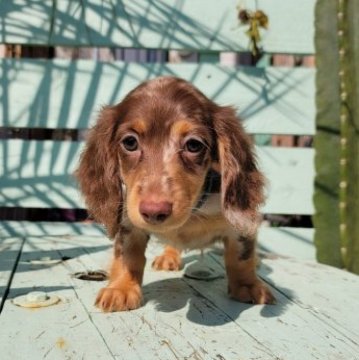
x,y
198,25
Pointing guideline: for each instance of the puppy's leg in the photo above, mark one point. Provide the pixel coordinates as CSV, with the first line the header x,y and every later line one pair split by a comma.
x,y
170,259
243,283
124,289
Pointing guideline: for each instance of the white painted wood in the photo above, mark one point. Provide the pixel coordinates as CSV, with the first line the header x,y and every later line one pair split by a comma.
x,y
147,333
69,94
181,317
40,228
200,24
169,331
326,293
290,174
290,328
39,174
9,251
284,241
62,331
288,241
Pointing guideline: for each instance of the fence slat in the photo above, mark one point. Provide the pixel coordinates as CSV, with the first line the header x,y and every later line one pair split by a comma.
x,y
39,174
167,24
67,94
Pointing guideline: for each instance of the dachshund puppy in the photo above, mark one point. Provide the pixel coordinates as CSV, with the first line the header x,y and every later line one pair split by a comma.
x,y
170,162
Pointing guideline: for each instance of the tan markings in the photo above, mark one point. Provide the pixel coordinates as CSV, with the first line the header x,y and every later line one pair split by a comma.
x,y
169,260
216,167
139,125
152,176
181,128
124,289
183,193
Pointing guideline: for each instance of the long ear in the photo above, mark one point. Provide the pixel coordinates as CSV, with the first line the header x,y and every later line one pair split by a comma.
x,y
242,183
98,173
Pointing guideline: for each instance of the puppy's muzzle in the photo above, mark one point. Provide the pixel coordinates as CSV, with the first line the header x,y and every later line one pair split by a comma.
x,y
155,212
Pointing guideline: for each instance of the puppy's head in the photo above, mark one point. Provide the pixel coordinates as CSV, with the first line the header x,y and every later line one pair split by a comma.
x,y
159,144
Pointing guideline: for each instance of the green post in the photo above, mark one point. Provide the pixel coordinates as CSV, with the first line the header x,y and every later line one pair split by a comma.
x,y
337,141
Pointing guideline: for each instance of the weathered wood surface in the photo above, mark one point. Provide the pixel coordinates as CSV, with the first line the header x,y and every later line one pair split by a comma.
x,y
284,241
181,318
39,228
10,249
197,25
288,242
40,174
69,94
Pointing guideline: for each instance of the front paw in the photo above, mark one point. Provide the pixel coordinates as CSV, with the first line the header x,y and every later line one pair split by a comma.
x,y
120,298
167,262
256,293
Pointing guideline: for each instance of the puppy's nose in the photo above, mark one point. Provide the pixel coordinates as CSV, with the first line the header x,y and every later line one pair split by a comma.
x,y
155,212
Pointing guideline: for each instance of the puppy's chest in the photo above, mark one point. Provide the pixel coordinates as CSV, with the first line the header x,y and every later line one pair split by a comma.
x,y
205,226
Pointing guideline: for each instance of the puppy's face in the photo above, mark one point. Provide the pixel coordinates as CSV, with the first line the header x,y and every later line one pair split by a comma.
x,y
164,147
159,143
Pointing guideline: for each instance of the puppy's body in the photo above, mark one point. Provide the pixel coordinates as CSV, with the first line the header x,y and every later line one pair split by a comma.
x,y
169,161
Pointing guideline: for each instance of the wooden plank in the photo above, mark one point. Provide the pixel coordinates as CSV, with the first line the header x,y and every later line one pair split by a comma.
x,y
332,297
165,330
53,228
181,317
288,241
284,241
39,174
10,249
162,24
62,331
301,325
209,57
146,333
290,174
68,94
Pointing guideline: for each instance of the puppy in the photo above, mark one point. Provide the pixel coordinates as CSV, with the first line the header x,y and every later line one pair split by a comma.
x,y
170,162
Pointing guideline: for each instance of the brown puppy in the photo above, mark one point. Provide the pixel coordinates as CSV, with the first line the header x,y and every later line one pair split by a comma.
x,y
170,162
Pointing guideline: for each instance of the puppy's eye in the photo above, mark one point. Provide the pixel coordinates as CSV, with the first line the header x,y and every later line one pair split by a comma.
x,y
130,143
194,146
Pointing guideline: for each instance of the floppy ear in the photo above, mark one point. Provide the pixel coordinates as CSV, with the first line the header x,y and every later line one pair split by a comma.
x,y
99,175
242,183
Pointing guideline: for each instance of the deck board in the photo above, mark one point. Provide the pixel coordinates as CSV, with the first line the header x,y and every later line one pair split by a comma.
x,y
301,325
284,241
10,249
162,329
182,318
331,293
288,242
58,332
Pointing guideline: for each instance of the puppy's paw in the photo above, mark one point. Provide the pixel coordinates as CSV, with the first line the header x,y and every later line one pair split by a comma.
x,y
120,298
256,293
167,262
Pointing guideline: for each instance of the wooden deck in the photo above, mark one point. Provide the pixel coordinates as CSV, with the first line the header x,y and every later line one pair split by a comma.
x,y
182,318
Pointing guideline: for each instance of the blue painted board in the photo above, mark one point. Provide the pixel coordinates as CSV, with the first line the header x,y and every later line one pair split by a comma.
x,y
69,94
208,25
40,174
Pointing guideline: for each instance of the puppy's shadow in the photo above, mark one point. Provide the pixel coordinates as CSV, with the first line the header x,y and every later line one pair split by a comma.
x,y
206,302
174,294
